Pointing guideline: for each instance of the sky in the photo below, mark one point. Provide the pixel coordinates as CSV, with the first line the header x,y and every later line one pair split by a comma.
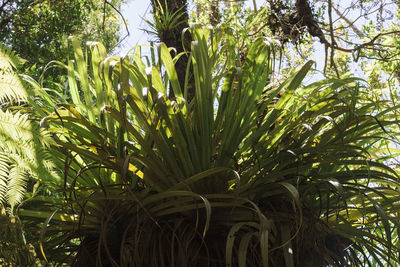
x,y
133,11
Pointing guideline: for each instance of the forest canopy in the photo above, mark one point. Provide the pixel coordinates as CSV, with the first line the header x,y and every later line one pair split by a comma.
x,y
38,29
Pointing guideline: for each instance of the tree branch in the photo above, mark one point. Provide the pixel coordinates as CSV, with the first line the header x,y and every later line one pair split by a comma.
x,y
123,19
332,58
349,22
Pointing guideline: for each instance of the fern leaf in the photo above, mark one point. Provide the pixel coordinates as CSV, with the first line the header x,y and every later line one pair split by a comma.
x,y
11,87
15,126
16,185
22,156
3,176
8,59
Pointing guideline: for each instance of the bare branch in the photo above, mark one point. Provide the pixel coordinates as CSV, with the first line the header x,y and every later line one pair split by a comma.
x,y
255,5
349,22
123,19
332,58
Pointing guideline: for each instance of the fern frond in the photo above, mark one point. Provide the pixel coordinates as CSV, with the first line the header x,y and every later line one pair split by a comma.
x,y
22,156
38,162
16,185
8,59
18,127
33,162
11,87
3,176
15,126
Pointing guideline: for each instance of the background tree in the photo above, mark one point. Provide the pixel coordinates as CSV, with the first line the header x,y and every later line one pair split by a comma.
x,y
349,32
356,28
38,29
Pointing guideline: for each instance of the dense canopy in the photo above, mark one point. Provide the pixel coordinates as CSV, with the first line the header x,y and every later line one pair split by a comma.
x,y
38,29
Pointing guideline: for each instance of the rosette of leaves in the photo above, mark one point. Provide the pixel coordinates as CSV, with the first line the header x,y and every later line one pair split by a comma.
x,y
238,177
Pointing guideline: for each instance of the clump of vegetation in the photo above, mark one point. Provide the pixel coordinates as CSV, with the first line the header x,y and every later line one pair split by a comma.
x,y
126,167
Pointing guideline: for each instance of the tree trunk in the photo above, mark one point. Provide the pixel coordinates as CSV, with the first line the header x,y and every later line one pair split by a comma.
x,y
172,37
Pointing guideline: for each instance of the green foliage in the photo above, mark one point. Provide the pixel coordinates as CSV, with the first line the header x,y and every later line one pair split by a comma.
x,y
22,143
14,251
254,170
12,88
24,162
37,30
248,173
164,20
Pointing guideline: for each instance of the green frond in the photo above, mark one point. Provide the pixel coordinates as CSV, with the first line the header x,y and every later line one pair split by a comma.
x,y
8,59
11,87
16,185
23,155
15,126
164,20
4,170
